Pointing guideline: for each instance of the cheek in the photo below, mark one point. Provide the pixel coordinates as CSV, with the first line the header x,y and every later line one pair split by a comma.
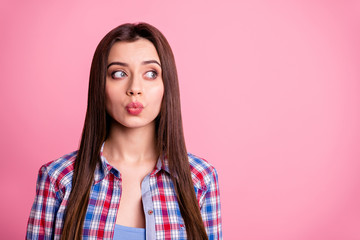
x,y
112,98
158,94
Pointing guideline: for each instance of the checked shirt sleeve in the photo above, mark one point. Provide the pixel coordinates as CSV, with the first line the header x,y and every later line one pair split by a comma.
x,y
42,216
210,209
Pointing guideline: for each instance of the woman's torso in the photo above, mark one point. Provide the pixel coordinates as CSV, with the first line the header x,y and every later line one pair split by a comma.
x,y
160,207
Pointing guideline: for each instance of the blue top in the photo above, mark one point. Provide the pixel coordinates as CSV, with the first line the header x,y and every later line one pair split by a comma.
x,y
128,233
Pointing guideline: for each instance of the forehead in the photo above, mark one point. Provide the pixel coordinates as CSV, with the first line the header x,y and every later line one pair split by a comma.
x,y
133,52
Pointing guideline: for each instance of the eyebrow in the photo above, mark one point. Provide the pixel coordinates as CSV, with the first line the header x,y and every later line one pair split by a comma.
x,y
126,65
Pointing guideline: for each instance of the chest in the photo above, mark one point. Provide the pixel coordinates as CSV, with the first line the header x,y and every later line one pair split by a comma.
x,y
130,210
155,199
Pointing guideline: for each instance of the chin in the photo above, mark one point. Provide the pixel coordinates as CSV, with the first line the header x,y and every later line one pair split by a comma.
x,y
136,124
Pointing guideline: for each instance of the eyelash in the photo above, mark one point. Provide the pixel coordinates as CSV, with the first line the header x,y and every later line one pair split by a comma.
x,y
113,74
153,71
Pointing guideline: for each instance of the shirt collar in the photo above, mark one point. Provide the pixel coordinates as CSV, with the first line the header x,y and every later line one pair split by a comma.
x,y
104,168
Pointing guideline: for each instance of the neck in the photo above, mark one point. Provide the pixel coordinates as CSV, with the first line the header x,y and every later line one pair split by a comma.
x,y
131,145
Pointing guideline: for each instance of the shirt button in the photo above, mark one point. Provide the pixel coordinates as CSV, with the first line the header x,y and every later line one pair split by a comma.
x,y
150,212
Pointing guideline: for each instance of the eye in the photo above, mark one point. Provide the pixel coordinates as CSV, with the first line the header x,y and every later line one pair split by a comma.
x,y
118,74
151,74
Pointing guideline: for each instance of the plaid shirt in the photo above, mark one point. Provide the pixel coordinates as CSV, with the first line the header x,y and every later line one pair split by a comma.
x,y
162,212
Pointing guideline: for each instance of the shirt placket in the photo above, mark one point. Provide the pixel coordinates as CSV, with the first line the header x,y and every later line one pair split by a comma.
x,y
148,208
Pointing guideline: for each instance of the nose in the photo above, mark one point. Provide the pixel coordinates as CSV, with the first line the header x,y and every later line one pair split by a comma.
x,y
135,87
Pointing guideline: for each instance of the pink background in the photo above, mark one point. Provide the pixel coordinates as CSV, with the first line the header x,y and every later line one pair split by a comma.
x,y
270,95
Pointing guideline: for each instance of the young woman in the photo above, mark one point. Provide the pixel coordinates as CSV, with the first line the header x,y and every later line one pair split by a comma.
x,y
132,177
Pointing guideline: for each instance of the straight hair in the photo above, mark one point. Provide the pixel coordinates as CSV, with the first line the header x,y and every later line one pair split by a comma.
x,y
169,134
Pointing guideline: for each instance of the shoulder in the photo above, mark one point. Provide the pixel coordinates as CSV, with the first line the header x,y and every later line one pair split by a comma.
x,y
202,172
60,171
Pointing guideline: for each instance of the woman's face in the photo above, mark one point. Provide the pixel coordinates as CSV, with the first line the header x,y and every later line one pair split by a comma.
x,y
134,86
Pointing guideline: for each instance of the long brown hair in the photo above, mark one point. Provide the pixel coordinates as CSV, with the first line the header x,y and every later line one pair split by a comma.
x,y
169,133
